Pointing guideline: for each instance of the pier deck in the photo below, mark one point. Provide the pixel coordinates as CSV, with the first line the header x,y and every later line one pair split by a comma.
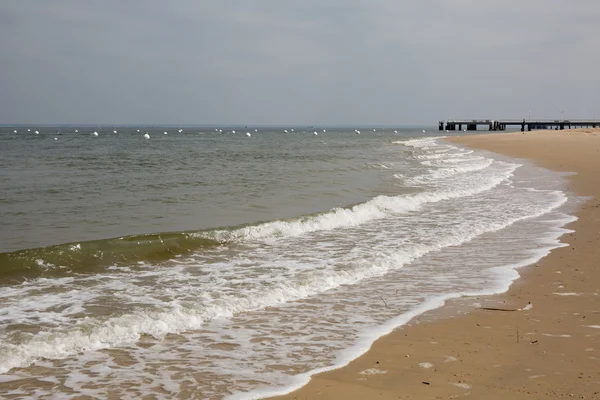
x,y
524,124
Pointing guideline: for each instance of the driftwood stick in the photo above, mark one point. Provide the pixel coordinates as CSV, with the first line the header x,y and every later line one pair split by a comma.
x,y
498,309
383,301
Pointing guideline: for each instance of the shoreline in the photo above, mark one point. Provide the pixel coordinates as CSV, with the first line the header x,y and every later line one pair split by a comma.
x,y
438,357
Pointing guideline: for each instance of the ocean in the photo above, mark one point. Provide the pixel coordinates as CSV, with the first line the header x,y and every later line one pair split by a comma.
x,y
235,262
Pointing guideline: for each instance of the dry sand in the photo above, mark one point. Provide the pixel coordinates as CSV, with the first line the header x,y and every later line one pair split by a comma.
x,y
549,351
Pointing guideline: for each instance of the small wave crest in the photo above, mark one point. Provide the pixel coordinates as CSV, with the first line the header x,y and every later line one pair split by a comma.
x,y
377,208
95,256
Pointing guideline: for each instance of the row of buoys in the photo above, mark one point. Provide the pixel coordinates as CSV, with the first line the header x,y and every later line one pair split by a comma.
x,y
221,131
248,134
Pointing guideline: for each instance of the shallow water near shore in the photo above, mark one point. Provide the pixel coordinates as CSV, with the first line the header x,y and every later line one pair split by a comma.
x,y
204,265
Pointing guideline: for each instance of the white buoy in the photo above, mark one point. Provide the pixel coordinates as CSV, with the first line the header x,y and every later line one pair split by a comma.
x,y
95,133
55,138
315,133
248,134
146,136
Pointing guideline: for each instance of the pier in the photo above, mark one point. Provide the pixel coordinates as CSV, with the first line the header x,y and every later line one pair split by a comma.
x,y
525,124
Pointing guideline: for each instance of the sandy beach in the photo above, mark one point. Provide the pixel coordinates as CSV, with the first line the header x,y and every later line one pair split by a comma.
x,y
543,339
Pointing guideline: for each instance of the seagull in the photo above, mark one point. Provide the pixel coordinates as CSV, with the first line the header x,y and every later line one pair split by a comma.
x,y
28,130
181,130
324,130
423,130
146,136
55,138
315,133
256,130
248,134
357,132
15,131
395,131
37,132
292,130
114,131
95,133
165,133
76,131
285,130
138,130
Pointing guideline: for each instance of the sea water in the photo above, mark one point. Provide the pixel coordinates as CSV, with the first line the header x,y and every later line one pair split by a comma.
x,y
211,264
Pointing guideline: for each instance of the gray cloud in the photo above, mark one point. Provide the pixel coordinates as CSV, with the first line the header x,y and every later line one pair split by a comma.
x,y
310,62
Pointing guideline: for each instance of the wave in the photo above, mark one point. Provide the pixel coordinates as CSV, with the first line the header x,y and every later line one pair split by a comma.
x,y
96,256
95,334
376,208
442,173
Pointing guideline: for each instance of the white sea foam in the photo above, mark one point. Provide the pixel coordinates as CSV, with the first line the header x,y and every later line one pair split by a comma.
x,y
443,173
462,385
373,371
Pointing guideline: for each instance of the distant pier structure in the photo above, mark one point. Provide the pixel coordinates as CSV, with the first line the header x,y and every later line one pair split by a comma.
x,y
525,124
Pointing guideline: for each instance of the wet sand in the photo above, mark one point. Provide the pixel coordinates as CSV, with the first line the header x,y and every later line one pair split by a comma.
x,y
546,347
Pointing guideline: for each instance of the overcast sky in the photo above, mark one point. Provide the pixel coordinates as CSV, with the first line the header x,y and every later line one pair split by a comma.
x,y
314,62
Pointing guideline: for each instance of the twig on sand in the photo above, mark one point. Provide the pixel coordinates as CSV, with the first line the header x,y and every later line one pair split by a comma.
x,y
383,301
498,309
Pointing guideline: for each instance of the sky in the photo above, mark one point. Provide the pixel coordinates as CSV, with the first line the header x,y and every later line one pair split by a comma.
x,y
315,62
